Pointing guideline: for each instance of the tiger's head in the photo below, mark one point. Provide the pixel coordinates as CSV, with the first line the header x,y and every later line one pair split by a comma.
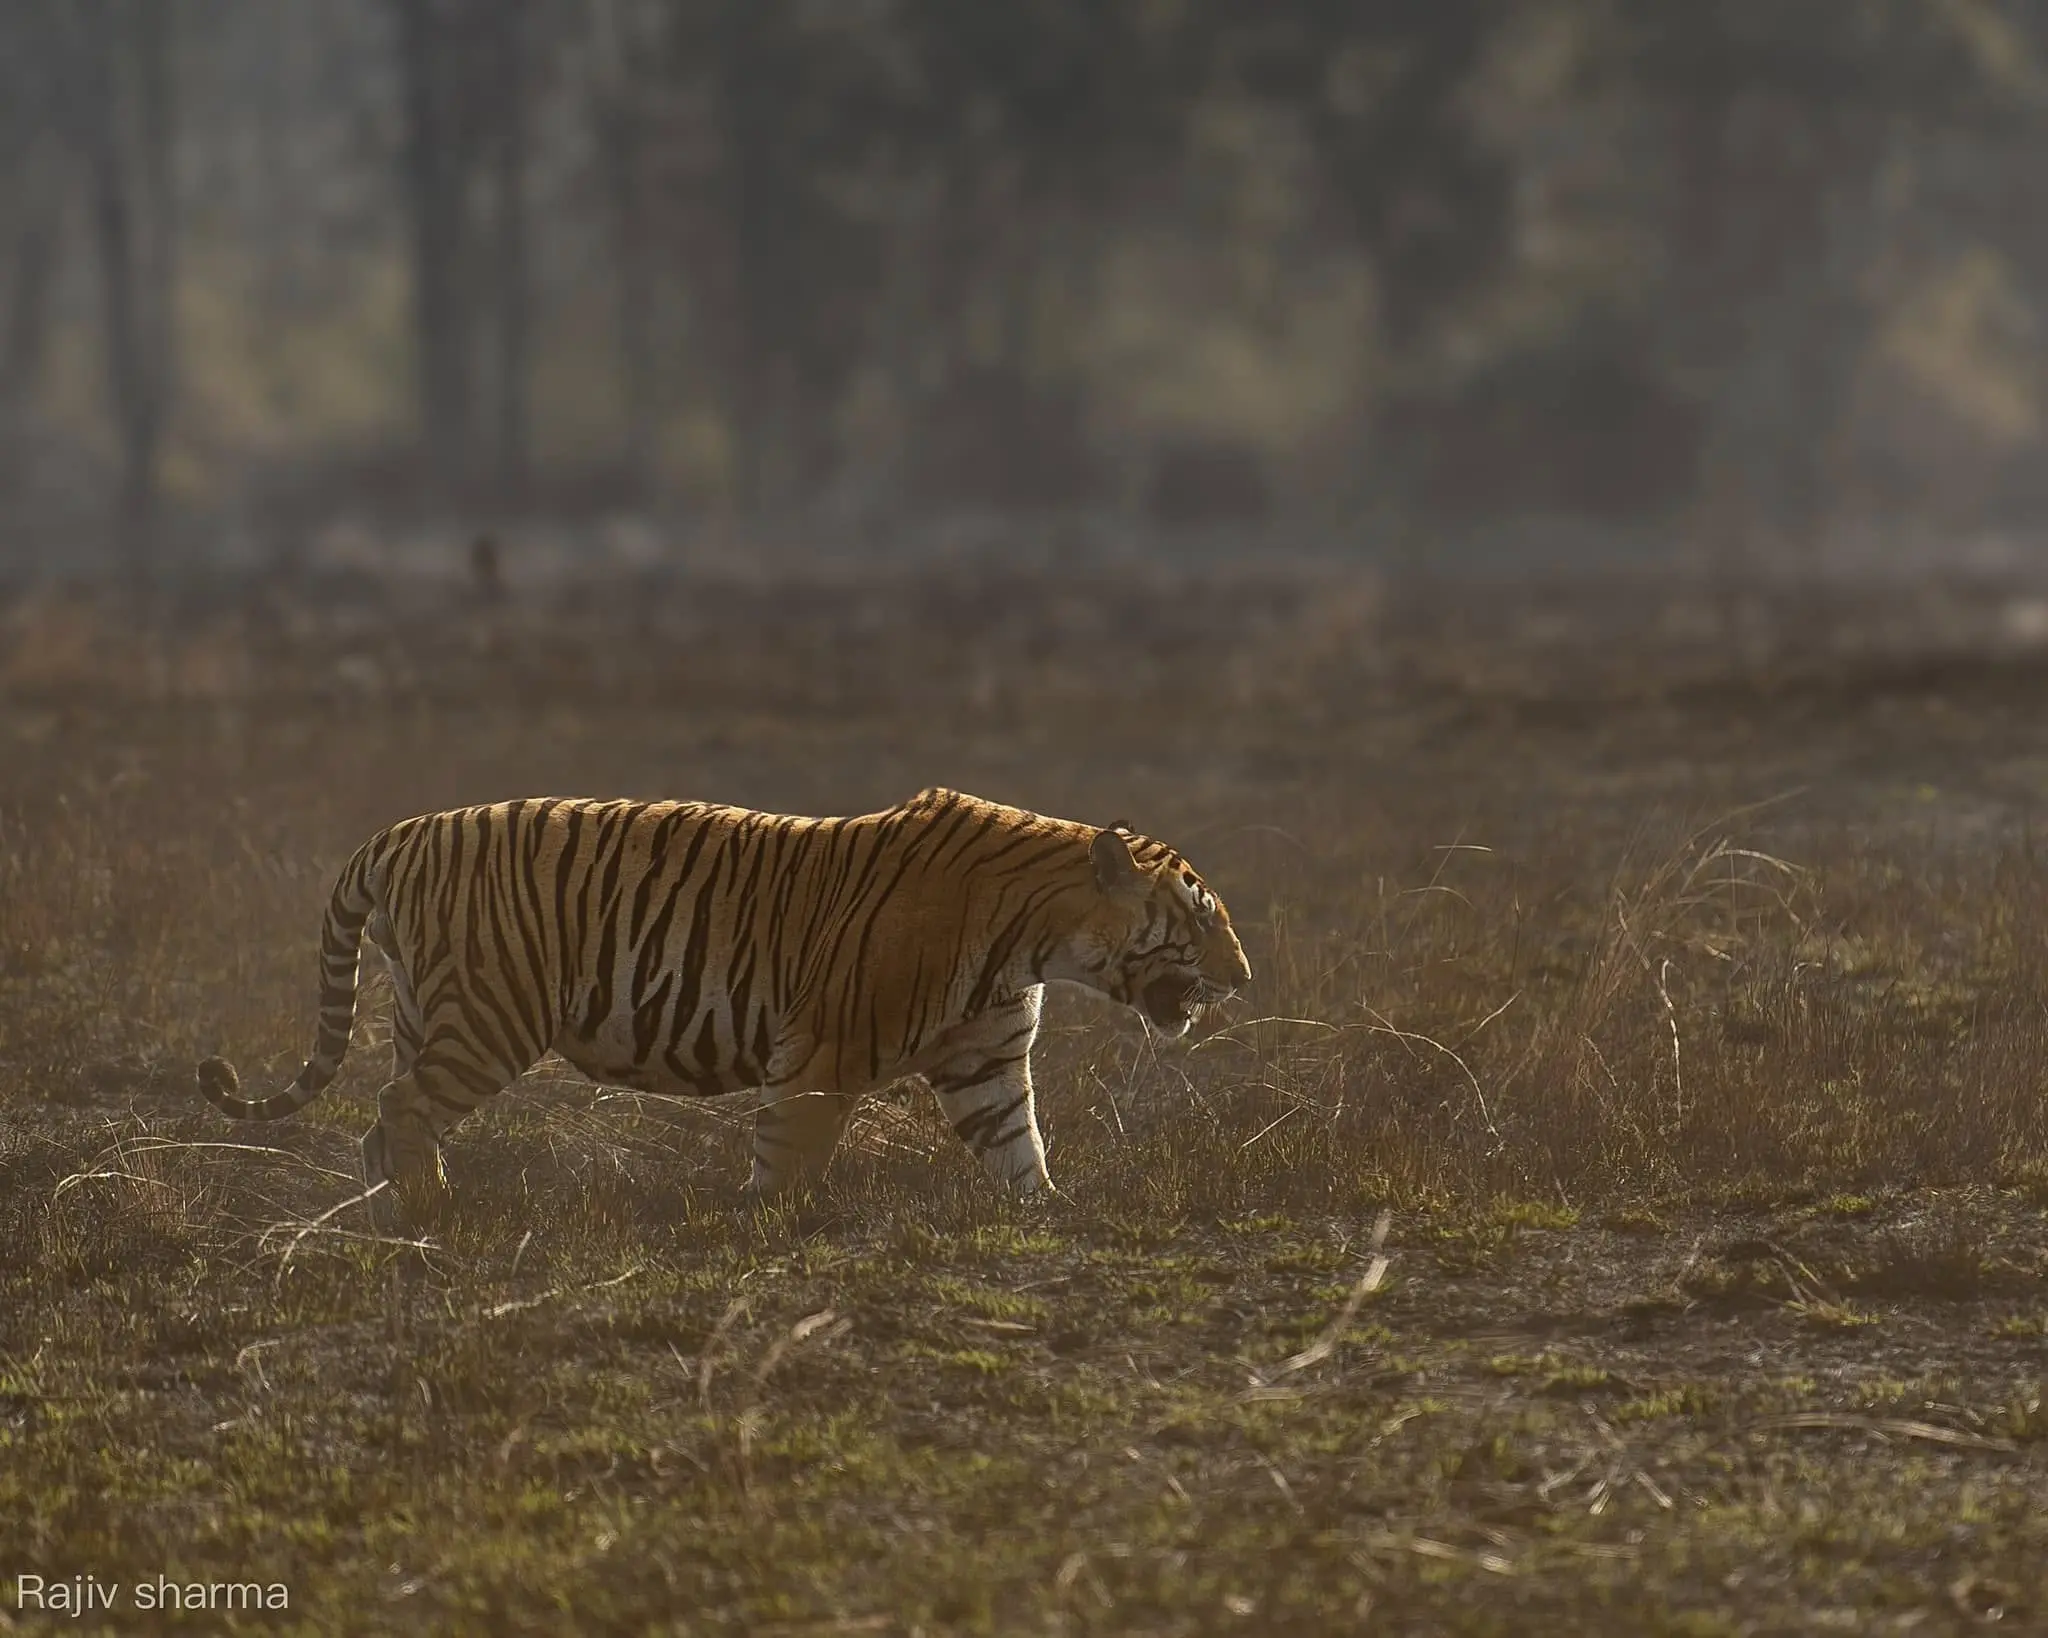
x,y
1156,937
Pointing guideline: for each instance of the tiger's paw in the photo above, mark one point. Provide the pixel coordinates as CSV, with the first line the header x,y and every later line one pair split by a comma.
x,y
1039,1195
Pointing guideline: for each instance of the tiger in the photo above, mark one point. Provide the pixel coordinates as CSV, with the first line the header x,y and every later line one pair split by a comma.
x,y
698,949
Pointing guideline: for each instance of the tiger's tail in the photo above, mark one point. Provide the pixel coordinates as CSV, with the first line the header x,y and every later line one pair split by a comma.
x,y
341,933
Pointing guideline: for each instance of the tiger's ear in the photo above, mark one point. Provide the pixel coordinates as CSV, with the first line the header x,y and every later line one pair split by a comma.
x,y
1115,869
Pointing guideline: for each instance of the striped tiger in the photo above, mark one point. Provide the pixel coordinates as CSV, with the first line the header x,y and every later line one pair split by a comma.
x,y
685,947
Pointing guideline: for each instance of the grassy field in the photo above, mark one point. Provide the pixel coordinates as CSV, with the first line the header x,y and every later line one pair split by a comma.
x,y
1620,1203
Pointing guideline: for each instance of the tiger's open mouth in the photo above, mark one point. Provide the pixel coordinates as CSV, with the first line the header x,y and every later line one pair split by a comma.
x,y
1171,1002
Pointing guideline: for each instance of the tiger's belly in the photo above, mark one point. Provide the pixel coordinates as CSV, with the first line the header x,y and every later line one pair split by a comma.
x,y
701,1056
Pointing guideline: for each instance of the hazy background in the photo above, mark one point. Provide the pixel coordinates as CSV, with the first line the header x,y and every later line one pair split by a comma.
x,y
288,282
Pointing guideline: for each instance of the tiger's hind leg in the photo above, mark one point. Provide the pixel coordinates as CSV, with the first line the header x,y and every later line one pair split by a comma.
x,y
402,1153
449,1053
403,1150
430,1090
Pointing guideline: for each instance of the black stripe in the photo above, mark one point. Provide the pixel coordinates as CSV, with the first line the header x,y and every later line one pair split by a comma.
x,y
647,1021
999,951
989,1067
565,864
610,845
696,951
657,856
655,942
978,1128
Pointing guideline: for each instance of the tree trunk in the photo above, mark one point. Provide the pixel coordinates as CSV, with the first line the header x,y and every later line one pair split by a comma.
x,y
750,229
509,35
621,141
433,196
125,115
23,343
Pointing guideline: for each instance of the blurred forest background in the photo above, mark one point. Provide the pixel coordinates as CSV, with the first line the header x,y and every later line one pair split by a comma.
x,y
1740,282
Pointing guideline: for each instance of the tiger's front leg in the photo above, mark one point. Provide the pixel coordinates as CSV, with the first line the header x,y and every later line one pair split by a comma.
x,y
794,1136
984,1089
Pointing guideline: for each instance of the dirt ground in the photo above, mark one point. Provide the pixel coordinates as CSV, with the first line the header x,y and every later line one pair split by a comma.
x,y
1619,1205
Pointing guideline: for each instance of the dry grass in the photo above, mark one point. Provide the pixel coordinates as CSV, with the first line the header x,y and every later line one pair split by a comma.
x,y
1683,1010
